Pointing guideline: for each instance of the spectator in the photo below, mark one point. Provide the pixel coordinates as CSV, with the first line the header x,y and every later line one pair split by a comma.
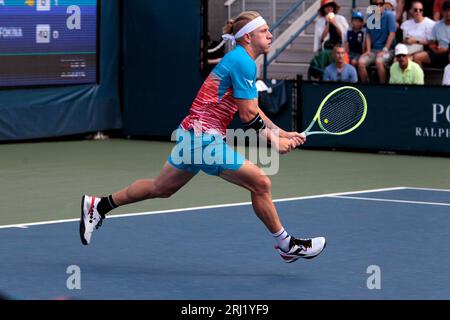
x,y
339,70
378,45
437,55
330,29
355,38
405,71
417,31
404,6
446,78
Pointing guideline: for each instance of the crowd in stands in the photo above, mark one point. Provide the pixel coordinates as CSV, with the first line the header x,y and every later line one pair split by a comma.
x,y
394,45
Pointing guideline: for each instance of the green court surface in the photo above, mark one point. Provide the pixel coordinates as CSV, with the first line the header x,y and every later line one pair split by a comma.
x,y
45,181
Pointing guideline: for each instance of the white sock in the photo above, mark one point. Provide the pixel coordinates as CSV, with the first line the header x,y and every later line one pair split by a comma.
x,y
283,239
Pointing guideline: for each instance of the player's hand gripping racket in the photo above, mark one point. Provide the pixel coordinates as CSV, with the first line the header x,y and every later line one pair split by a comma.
x,y
341,112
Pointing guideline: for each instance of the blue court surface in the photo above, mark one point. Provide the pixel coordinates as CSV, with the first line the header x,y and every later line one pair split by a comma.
x,y
225,252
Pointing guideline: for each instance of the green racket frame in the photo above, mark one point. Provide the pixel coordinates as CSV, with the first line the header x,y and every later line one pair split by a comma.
x,y
317,116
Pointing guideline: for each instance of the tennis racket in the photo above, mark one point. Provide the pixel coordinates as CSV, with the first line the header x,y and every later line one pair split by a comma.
x,y
341,112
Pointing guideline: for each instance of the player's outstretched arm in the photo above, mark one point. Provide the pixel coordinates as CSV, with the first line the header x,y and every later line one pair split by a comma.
x,y
299,138
249,112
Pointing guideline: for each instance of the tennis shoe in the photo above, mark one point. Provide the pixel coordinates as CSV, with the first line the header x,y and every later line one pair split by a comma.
x,y
90,218
302,248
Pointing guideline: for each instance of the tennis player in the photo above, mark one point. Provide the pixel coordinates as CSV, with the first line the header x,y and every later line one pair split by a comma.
x,y
231,87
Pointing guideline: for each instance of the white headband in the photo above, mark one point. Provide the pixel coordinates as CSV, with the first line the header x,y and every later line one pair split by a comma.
x,y
249,27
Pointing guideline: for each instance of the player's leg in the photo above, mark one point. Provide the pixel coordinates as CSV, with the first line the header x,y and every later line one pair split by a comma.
x,y
169,181
94,209
252,178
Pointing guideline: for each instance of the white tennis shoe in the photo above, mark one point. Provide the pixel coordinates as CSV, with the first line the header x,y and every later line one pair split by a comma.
x,y
302,248
90,218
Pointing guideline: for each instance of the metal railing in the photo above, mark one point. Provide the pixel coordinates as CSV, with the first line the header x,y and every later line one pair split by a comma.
x,y
229,4
276,25
285,16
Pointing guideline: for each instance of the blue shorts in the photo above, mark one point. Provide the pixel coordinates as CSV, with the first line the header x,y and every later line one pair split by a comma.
x,y
207,152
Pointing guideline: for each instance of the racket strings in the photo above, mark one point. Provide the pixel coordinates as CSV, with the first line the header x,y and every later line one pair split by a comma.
x,y
345,120
342,112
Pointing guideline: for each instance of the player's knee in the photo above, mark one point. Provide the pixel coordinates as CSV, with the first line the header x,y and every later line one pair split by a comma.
x,y
263,185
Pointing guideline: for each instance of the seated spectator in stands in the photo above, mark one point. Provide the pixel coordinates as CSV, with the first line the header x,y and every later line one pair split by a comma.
x,y
330,29
403,11
355,38
437,54
446,78
405,71
417,30
378,45
339,70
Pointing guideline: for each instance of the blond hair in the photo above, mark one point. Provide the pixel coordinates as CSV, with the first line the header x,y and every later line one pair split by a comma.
x,y
238,23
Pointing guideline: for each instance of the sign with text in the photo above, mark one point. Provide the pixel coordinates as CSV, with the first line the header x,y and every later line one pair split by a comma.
x,y
48,42
399,118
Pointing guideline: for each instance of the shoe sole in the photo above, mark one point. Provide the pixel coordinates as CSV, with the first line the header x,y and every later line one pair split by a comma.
x,y
82,226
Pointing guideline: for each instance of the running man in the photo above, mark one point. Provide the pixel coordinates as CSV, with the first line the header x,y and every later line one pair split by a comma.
x,y
230,87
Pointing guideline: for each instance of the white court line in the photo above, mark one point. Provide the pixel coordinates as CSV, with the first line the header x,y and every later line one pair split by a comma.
x,y
26,225
392,200
428,189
